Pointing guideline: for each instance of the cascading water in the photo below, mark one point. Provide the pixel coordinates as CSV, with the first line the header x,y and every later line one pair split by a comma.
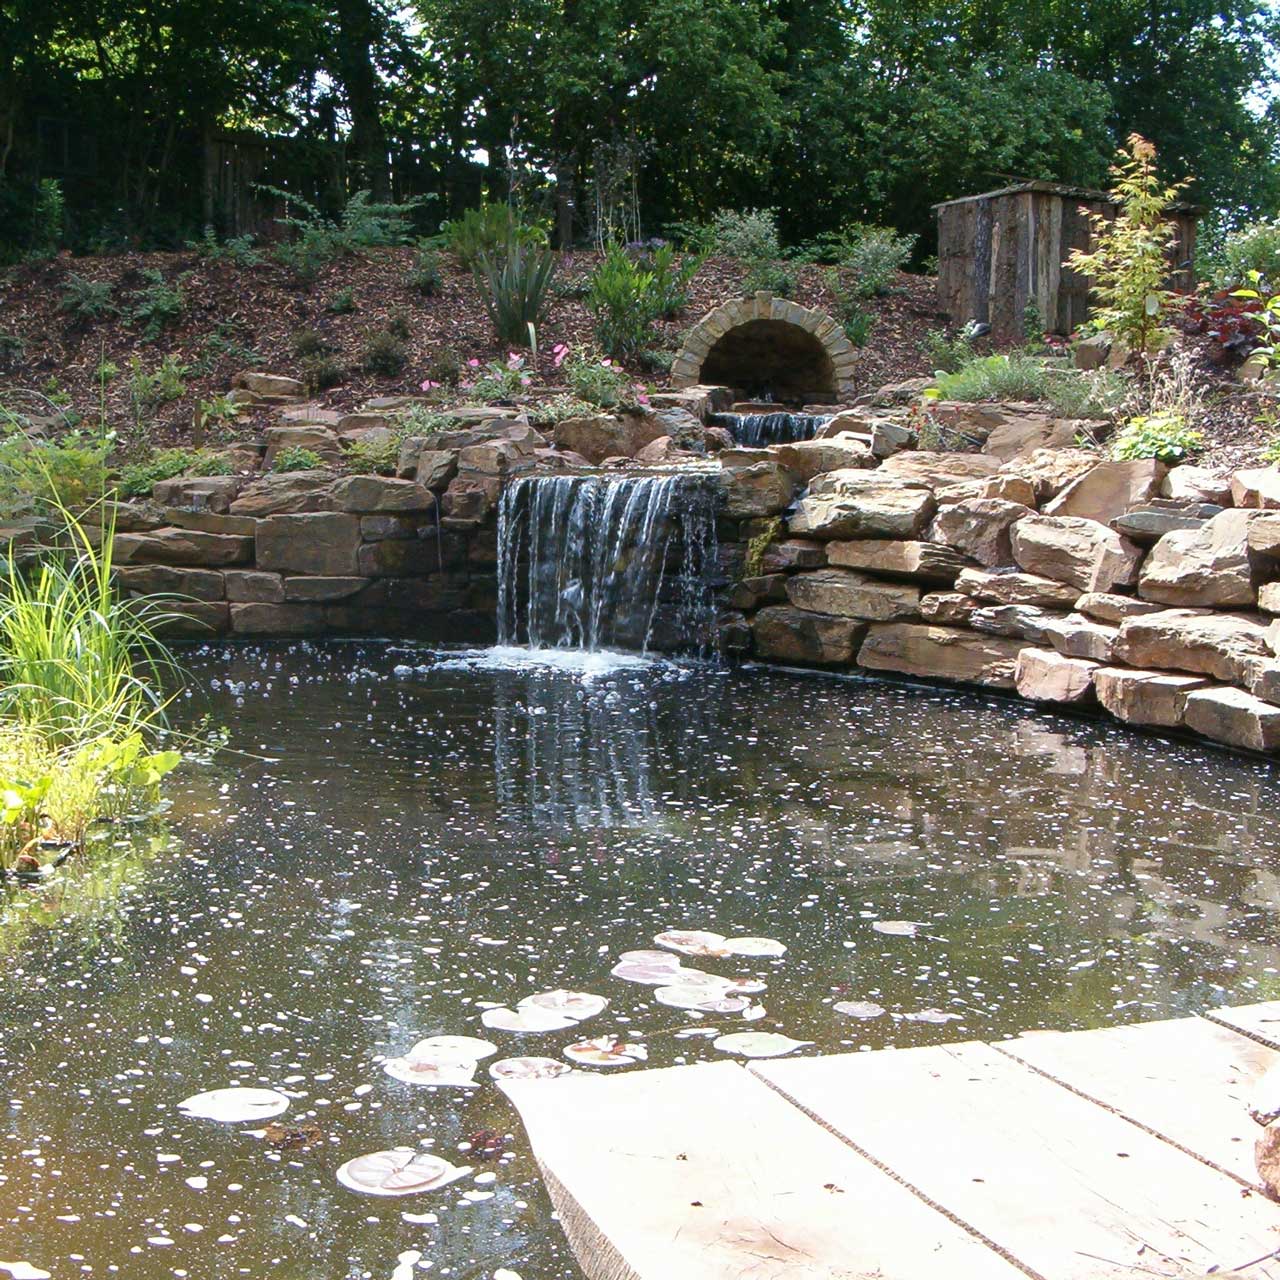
x,y
598,562
758,429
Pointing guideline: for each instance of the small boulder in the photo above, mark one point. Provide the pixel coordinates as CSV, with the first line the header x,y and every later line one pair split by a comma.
x,y
1258,487
939,470
916,561
1205,566
284,493
843,593
808,458
921,650
322,441
1234,717
1109,490
368,494
1145,697
796,635
1196,484
200,493
1075,550
1044,675
1007,586
1215,644
862,504
269,386
758,489
979,528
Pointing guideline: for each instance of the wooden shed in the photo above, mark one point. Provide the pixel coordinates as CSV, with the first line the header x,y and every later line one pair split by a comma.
x,y
1003,249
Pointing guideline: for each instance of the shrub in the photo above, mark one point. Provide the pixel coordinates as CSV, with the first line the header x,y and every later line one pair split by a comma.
x,y
751,234
546,413
373,456
297,458
445,368
157,304
947,354
164,384
870,254
398,326
321,371
1129,262
343,303
773,277
422,420
137,479
424,276
1164,437
623,302
319,240
37,477
1097,394
235,249
598,381
671,280
513,287
48,216
1255,247
498,382
998,377
86,300
487,232
308,342
215,412
384,355
858,326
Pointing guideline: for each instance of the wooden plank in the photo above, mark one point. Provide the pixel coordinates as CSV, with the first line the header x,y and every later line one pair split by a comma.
x,y
704,1173
1187,1080
1069,1189
1260,1022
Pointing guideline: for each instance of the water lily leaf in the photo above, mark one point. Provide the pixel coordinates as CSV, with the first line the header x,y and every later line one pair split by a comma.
x,y
606,1051
700,998
650,975
698,978
650,957
530,1021
235,1106
578,1005
459,1048
755,947
859,1008
745,986
932,1015
399,1172
759,1044
441,1072
692,942
897,928
528,1069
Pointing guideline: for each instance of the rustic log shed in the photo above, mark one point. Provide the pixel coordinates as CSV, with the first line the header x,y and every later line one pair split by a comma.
x,y
1003,249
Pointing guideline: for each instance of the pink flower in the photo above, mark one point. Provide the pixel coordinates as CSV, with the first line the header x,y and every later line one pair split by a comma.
x,y
428,385
644,399
606,364
473,363
514,361
525,380
465,386
559,351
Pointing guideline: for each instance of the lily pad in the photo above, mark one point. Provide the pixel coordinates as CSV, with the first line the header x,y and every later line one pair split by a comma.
x,y
650,975
755,947
759,1044
859,1008
700,998
459,1048
932,1015
235,1106
399,1172
693,942
528,1069
529,1021
649,957
897,928
605,1051
578,1005
441,1072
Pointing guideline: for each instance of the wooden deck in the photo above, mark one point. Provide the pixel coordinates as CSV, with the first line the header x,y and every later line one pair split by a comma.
x,y
1125,1152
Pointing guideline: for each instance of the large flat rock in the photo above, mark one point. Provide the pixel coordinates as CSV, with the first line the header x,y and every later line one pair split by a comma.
x,y
844,593
942,652
1213,644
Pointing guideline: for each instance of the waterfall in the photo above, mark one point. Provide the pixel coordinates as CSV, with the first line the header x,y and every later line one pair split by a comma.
x,y
601,562
758,429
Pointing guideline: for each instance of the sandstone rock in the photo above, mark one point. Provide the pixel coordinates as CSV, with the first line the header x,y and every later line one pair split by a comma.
x,y
161,579
1196,484
793,553
495,458
1147,525
1213,644
201,493
751,593
321,543
1049,471
370,494
938,470
376,528
317,590
182,546
1234,717
1008,488
269,385
1004,586
209,522
922,650
322,441
948,608
277,619
396,559
1264,535
467,500
847,422
1261,676
1205,566
808,458
1269,597
760,489
663,449
734,634
193,620
1071,549
1022,620
1091,353
700,400
250,586
1109,490
922,561
1022,434
1145,697
606,436
1258,487
795,635
1076,636
130,517
288,493
979,527
844,594
860,504
487,426
1114,608
1044,675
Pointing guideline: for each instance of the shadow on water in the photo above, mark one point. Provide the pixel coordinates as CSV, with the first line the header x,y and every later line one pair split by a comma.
x,y
410,835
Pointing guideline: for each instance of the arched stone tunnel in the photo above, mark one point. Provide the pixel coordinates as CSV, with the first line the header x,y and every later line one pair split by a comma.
x,y
768,348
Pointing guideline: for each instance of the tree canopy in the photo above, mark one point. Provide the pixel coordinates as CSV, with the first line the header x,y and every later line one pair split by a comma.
x,y
644,114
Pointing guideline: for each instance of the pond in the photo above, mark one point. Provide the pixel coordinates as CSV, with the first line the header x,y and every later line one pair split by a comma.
x,y
408,836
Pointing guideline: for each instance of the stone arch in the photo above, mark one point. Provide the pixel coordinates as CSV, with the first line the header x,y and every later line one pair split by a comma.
x,y
766,344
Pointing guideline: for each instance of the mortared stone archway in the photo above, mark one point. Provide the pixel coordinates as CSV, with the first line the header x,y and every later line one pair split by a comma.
x,y
768,347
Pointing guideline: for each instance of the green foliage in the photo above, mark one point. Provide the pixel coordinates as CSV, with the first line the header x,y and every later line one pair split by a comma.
x,y
238,250
398,326
1165,437
997,377
598,381
546,413
12,348
1130,258
297,458
307,342
869,255
373,456
137,479
1254,247
948,353
86,300
48,217
773,277
498,383
224,344
488,232
37,477
1101,393
165,383
157,305
759,544
321,371
858,326
671,279
424,276
384,354
622,301
422,420
343,303
751,234
215,412
445,367
319,240
513,287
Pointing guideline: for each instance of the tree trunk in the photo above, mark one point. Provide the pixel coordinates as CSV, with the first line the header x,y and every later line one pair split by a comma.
x,y
357,28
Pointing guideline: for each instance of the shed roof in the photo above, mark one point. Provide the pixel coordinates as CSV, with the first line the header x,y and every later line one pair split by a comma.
x,y
1065,190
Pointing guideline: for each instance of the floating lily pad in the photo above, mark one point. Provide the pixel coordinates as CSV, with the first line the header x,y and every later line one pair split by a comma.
x,y
683,977
441,1072
606,1051
650,975
859,1009
234,1106
528,1069
755,947
459,1048
745,986
399,1172
528,1021
932,1015
700,998
759,1044
578,1005
897,928
649,957
692,942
